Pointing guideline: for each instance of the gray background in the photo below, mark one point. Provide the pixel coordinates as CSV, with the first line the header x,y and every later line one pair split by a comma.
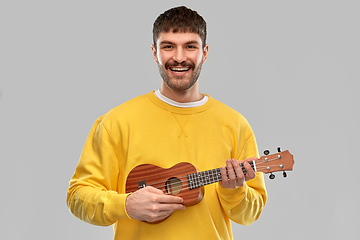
x,y
290,67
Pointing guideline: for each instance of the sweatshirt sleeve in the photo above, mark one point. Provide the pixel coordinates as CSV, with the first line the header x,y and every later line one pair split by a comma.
x,y
93,196
244,205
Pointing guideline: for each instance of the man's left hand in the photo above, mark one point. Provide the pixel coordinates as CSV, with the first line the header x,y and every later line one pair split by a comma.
x,y
238,180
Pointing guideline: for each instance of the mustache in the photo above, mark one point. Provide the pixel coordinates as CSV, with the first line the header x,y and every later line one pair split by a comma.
x,y
172,63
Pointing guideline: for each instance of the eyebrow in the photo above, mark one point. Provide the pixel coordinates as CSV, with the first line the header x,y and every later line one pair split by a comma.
x,y
187,43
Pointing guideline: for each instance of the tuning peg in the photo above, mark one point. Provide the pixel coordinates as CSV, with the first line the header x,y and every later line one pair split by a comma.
x,y
279,149
266,152
284,174
272,176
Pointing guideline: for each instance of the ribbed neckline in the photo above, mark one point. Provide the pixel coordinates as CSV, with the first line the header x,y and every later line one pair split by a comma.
x,y
178,104
179,110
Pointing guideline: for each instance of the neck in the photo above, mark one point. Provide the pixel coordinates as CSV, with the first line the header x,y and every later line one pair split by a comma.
x,y
190,95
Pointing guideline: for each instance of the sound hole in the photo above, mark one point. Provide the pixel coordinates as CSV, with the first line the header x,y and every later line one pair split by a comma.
x,y
173,186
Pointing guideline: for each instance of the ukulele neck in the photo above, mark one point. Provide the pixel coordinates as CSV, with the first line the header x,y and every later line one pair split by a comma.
x,y
200,179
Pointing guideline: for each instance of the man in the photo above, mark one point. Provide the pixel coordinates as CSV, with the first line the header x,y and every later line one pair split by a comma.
x,y
173,124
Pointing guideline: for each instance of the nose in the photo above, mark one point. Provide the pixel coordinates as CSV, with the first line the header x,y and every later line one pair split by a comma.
x,y
179,55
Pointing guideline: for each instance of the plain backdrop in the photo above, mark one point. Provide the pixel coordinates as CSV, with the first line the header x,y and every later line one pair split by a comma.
x,y
290,67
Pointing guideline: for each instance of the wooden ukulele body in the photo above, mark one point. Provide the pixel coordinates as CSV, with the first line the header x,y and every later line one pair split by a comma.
x,y
172,181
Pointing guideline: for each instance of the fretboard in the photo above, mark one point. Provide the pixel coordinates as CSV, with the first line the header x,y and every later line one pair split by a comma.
x,y
200,179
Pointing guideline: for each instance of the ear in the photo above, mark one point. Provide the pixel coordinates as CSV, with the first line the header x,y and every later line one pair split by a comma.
x,y
205,53
153,49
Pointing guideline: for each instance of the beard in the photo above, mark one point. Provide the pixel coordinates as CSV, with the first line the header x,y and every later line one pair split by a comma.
x,y
180,83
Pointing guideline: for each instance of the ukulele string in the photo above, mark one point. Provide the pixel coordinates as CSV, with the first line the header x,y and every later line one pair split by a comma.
x,y
184,183
161,185
163,182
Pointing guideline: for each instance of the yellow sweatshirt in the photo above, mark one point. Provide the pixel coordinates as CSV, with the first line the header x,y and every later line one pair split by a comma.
x,y
147,130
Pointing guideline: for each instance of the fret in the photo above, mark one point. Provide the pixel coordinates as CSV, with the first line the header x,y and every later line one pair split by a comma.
x,y
200,179
252,164
213,175
243,168
218,174
190,181
195,180
207,176
202,182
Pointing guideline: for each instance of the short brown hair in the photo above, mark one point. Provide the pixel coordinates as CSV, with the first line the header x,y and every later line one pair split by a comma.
x,y
180,19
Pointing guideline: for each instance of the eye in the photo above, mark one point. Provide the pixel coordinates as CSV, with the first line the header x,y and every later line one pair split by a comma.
x,y
167,47
191,47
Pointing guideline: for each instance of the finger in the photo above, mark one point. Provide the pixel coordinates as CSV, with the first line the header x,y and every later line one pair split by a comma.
x,y
145,204
161,197
240,178
238,170
250,171
224,179
232,164
170,207
169,199
230,168
161,209
153,190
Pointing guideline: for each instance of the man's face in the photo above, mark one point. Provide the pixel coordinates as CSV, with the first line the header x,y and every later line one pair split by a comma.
x,y
179,57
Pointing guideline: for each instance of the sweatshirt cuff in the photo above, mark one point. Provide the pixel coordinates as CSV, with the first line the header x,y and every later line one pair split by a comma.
x,y
115,207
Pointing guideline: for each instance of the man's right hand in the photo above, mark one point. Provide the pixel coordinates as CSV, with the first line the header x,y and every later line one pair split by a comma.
x,y
150,205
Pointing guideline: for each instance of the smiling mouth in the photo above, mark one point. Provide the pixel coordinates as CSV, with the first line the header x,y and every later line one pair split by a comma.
x,y
179,69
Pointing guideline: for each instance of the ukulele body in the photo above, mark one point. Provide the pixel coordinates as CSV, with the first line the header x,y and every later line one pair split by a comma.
x,y
172,181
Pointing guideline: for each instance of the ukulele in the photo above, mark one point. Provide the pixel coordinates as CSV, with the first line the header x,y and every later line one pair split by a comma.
x,y
185,181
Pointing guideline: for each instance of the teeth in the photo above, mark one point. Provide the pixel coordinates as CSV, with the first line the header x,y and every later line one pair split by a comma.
x,y
179,69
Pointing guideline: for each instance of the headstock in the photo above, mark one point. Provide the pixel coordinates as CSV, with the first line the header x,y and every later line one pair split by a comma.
x,y
281,161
